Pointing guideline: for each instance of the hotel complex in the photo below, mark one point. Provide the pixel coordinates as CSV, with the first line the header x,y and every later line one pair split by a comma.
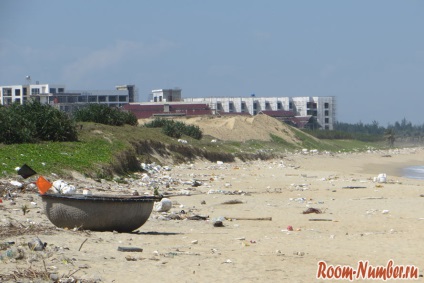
x,y
59,97
299,111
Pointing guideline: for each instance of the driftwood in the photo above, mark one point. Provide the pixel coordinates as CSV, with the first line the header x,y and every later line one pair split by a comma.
x,y
354,187
319,219
250,218
366,198
312,210
130,249
82,244
234,201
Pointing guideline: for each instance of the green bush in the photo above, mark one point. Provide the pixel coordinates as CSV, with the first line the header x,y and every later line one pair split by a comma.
x,y
193,131
103,114
34,122
171,130
156,123
175,129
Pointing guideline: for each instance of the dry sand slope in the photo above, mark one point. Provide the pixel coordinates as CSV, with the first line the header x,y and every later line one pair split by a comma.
x,y
241,128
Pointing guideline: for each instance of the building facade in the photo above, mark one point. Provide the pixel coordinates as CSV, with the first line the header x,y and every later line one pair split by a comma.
x,y
68,101
165,95
323,109
21,93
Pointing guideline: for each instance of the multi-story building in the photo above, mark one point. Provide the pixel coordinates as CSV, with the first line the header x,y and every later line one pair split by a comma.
x,y
323,109
68,101
297,110
165,95
21,93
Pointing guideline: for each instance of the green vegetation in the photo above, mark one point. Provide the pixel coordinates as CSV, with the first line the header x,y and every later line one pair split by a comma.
x,y
50,142
403,132
175,129
35,122
103,114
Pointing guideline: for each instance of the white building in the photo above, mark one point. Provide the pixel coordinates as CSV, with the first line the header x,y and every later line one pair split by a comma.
x,y
68,101
21,93
165,95
322,108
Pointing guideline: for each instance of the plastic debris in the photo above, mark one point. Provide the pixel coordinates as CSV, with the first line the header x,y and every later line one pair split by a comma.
x,y
164,205
36,245
381,178
61,187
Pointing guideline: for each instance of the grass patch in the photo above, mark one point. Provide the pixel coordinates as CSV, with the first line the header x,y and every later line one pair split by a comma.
x,y
103,150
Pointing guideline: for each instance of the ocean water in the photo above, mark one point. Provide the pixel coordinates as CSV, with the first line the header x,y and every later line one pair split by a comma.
x,y
413,172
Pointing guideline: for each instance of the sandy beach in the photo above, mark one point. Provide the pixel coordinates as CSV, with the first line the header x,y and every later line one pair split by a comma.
x,y
361,220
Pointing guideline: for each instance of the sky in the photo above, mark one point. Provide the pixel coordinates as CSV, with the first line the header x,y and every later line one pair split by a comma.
x,y
369,54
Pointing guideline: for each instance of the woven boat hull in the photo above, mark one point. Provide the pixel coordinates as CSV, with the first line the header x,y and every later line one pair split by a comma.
x,y
98,213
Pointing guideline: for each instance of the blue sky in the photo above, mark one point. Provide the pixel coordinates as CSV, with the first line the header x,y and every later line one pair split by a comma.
x,y
368,54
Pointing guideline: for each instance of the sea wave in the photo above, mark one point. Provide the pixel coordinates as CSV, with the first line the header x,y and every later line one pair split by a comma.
x,y
413,172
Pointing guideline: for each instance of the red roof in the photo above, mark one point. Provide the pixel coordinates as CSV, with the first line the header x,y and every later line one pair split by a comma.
x,y
234,113
278,113
143,111
300,121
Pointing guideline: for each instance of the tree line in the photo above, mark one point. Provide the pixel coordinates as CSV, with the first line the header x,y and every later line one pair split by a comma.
x,y
401,131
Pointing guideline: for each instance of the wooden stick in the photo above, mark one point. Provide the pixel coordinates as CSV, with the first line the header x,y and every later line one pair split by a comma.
x,y
82,244
250,218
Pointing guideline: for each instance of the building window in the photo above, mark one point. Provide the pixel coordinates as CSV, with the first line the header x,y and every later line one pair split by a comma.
x,y
267,106
327,127
92,98
291,105
279,105
113,98
326,105
244,107
231,106
17,92
123,98
7,92
160,98
255,106
326,112
52,90
35,91
311,112
60,90
311,105
327,120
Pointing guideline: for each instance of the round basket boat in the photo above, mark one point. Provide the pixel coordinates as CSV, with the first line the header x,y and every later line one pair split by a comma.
x,y
98,212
